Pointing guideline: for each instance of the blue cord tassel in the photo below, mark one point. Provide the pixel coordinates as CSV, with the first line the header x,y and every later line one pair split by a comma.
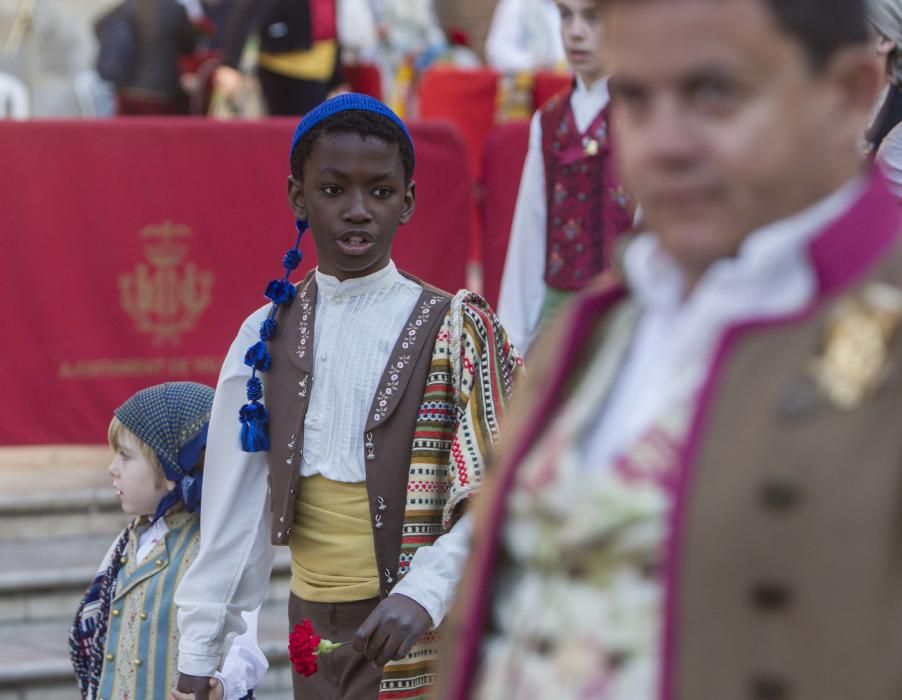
x,y
253,416
254,422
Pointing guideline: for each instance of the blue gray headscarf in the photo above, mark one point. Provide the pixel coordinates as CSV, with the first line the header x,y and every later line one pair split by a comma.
x,y
173,419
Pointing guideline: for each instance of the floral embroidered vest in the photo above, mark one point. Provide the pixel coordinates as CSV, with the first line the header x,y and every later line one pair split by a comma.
x,y
587,208
577,606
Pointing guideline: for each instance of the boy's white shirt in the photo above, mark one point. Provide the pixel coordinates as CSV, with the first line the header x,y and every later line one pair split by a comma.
x,y
232,568
522,283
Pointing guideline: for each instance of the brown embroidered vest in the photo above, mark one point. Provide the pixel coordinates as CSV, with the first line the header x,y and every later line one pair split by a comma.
x,y
390,425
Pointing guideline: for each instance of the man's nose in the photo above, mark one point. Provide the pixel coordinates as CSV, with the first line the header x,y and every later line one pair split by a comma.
x,y
668,133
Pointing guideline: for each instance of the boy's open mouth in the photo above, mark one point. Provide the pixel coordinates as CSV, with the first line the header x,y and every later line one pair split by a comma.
x,y
355,242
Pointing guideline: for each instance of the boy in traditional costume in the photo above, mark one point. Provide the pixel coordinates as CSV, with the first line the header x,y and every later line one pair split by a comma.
x,y
383,397
124,640
571,208
701,496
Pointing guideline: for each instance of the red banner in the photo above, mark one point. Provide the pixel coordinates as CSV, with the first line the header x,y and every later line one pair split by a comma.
x,y
133,250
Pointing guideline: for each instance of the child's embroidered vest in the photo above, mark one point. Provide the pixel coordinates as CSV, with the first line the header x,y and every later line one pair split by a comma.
x,y
141,648
587,207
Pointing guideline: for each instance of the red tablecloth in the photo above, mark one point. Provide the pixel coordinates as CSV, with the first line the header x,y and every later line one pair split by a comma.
x,y
133,250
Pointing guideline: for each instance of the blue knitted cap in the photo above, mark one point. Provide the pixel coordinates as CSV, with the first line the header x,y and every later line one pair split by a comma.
x,y
346,102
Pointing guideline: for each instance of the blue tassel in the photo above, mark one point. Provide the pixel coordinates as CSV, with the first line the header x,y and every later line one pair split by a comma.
x,y
258,357
280,292
254,433
292,259
268,329
254,389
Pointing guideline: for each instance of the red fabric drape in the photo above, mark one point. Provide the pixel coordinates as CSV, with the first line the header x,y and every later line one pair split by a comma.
x,y
135,248
505,152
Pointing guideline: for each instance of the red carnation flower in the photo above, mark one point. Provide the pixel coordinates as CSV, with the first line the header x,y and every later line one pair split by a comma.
x,y
304,645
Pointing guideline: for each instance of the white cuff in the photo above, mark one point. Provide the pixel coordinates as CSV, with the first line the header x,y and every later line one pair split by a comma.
x,y
197,664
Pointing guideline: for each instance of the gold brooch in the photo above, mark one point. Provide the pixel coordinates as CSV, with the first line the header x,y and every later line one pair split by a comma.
x,y
856,345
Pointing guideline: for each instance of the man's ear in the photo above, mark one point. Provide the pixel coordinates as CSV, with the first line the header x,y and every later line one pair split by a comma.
x,y
410,202
296,198
858,79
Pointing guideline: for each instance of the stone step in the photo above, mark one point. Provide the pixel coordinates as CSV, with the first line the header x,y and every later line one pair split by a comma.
x,y
45,579
34,659
52,491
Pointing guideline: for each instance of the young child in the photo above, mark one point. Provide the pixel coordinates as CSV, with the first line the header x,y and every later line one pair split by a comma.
x,y
383,397
571,207
124,639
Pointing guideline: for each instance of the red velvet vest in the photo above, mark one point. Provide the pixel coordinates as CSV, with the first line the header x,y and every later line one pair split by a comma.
x,y
587,207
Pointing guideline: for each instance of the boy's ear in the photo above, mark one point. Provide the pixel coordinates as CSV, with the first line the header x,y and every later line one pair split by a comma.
x,y
410,202
296,198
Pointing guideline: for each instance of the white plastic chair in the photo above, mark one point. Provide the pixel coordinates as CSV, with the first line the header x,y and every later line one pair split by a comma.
x,y
14,103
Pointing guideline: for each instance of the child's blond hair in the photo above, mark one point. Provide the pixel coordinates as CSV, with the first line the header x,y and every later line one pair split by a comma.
x,y
115,435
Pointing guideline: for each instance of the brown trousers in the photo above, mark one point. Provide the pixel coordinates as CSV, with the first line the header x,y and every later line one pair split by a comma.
x,y
344,674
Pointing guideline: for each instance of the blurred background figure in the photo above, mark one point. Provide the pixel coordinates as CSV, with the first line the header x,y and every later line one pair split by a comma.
x,y
561,239
525,35
884,136
141,42
410,38
298,61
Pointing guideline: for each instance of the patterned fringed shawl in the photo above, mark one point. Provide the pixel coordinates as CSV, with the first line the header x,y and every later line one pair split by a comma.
x,y
87,635
470,382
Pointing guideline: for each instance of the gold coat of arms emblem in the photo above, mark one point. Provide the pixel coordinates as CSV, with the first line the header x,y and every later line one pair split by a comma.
x,y
166,294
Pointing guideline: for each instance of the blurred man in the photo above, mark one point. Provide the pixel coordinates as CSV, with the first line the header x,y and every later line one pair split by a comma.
x,y
701,496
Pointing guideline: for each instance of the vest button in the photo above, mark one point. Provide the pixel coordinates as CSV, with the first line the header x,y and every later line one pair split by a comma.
x,y
769,688
122,560
137,662
109,657
770,596
143,615
115,612
780,494
159,562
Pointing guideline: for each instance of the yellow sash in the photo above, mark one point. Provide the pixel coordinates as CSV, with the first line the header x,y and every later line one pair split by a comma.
x,y
333,559
317,63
